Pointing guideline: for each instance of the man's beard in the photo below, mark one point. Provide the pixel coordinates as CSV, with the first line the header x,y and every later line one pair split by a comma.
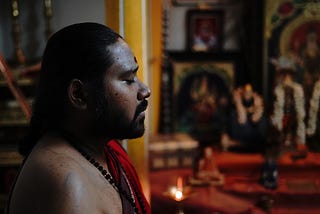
x,y
114,123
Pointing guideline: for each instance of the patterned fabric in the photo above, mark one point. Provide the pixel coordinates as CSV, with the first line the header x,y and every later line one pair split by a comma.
x,y
123,172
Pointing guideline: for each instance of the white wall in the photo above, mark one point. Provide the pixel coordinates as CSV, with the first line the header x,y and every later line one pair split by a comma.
x,y
65,12
73,11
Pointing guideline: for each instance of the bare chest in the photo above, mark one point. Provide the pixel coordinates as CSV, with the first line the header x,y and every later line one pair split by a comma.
x,y
105,198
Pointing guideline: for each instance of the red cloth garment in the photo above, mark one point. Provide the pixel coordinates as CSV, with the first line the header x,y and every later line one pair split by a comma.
x,y
118,161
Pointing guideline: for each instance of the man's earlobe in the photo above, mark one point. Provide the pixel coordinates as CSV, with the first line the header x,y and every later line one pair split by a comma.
x,y
77,94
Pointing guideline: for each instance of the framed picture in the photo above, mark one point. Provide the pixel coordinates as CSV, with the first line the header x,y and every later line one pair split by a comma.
x,y
201,92
204,30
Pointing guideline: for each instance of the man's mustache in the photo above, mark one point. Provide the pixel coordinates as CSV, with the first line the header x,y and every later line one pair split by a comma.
x,y
141,107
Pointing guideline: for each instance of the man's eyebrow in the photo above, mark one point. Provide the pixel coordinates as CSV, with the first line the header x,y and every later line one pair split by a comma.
x,y
131,71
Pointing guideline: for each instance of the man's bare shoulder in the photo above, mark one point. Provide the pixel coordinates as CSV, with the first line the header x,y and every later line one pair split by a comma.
x,y
57,179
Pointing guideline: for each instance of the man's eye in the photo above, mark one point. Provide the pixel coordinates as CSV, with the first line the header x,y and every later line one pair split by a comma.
x,y
130,81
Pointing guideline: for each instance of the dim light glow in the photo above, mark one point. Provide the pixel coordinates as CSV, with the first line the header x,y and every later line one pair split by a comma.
x,y
178,195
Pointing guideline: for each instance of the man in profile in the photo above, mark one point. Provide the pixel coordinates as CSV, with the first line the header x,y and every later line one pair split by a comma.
x,y
88,96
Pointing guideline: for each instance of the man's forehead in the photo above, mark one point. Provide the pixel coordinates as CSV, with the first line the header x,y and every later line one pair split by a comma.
x,y
121,51
123,58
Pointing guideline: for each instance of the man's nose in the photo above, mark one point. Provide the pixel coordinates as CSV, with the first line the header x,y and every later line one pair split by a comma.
x,y
144,91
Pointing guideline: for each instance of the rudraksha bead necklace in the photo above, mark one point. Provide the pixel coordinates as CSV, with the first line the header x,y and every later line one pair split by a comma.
x,y
110,179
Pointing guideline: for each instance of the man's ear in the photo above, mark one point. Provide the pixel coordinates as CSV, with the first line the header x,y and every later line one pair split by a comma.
x,y
77,94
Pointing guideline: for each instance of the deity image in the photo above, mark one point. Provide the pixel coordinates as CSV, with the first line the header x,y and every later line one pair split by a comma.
x,y
204,39
304,48
202,104
298,69
310,58
308,61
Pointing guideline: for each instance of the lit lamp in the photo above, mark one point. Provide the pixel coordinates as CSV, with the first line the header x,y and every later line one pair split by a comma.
x,y
176,192
179,193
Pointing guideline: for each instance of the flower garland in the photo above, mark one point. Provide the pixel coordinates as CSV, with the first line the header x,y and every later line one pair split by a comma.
x,y
299,107
313,111
241,111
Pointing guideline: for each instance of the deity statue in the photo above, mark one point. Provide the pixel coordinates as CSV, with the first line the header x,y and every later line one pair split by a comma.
x,y
289,110
208,171
248,123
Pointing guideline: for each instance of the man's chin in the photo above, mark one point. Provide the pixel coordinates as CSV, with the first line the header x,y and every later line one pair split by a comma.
x,y
136,134
130,134
135,130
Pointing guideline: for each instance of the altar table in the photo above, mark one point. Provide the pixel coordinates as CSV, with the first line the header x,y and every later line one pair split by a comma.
x,y
298,191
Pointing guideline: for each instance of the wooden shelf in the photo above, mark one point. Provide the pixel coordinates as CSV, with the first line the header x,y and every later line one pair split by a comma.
x,y
13,117
8,123
20,82
10,157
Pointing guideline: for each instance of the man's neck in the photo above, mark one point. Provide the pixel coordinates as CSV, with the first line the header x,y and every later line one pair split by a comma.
x,y
87,142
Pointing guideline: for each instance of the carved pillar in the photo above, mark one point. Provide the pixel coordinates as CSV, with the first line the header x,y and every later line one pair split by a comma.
x,y
166,107
48,17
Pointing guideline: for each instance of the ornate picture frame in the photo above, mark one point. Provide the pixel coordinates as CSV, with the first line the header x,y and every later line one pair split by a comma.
x,y
203,78
204,30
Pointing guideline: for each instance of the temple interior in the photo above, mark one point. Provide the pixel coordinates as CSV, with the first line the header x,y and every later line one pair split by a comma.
x,y
233,122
